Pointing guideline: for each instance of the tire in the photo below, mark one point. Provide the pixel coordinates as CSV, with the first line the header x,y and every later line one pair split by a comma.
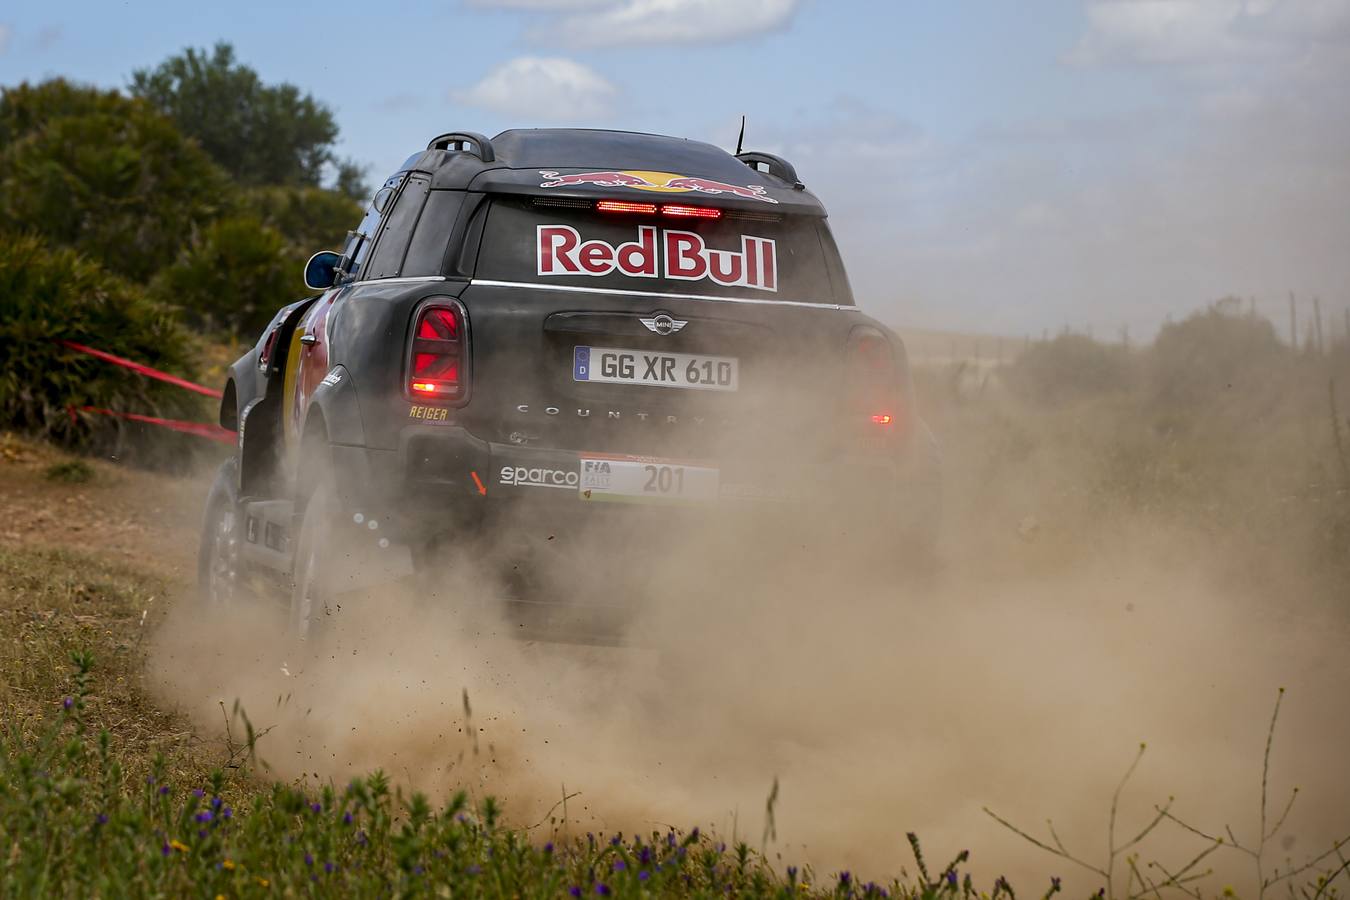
x,y
220,583
311,587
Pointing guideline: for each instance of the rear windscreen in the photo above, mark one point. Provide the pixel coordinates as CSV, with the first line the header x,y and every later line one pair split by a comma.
x,y
736,255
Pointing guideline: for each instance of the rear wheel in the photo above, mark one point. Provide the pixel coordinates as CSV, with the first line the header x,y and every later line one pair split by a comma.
x,y
311,590
219,573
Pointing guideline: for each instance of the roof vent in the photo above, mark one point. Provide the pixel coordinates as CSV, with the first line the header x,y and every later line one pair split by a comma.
x,y
772,165
465,141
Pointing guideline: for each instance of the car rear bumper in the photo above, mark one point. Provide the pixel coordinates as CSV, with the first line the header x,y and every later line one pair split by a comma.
x,y
443,478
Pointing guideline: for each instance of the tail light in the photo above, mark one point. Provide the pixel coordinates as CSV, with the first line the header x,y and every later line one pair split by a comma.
x,y
438,356
872,385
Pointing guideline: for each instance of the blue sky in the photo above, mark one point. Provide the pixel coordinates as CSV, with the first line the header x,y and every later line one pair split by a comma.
x,y
990,166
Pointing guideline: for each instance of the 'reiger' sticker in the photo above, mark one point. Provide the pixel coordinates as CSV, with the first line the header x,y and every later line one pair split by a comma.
x,y
679,255
428,413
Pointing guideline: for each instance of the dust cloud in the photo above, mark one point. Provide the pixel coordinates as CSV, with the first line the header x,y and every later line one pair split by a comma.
x,y
1022,676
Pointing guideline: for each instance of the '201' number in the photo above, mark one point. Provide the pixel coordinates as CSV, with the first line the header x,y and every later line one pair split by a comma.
x,y
664,479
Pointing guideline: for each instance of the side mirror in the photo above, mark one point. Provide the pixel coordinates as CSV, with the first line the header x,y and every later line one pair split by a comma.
x,y
321,271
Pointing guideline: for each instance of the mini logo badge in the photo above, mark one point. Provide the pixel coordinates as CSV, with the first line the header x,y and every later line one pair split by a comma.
x,y
663,324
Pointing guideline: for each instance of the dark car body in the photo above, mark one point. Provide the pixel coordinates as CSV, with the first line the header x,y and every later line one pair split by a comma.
x,y
604,304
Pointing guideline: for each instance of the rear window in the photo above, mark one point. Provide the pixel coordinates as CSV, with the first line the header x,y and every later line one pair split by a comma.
x,y
756,256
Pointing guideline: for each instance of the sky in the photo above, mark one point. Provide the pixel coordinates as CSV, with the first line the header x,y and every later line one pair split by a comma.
x,y
989,166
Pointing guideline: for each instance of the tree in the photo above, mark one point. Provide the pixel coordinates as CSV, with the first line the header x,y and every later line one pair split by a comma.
x,y
261,134
104,174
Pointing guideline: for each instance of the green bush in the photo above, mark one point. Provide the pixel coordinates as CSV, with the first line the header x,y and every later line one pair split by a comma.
x,y
233,278
310,218
47,295
102,173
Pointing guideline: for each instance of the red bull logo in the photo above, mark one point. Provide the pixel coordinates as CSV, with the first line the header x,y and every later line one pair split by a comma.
x,y
680,255
659,182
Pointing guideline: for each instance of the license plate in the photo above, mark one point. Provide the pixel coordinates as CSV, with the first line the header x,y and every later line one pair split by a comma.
x,y
638,480
611,365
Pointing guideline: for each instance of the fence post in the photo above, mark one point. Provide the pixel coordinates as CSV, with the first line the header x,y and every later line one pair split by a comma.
x,y
1293,322
1317,320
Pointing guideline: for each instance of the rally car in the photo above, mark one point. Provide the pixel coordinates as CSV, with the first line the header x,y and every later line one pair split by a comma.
x,y
556,330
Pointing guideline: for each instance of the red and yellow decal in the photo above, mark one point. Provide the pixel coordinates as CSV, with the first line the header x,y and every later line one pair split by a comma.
x,y
659,182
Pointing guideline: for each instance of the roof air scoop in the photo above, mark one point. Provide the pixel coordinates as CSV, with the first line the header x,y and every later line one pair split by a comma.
x,y
465,141
773,165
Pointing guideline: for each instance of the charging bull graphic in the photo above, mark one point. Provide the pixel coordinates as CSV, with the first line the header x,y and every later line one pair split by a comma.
x,y
660,182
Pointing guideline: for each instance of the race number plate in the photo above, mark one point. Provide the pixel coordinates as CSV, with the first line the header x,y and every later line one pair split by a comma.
x,y
640,480
612,365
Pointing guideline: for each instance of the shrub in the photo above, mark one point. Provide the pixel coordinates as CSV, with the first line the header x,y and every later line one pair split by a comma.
x,y
1072,366
234,277
47,295
1211,355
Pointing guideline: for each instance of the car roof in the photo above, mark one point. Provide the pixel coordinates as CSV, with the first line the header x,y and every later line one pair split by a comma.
x,y
519,156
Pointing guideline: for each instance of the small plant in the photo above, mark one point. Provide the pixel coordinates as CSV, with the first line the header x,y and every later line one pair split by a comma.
x,y
1142,882
72,471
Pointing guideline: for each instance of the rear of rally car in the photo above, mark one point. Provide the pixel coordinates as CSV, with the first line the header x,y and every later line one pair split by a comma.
x,y
641,352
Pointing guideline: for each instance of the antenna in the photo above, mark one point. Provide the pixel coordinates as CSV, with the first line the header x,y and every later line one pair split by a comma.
x,y
740,138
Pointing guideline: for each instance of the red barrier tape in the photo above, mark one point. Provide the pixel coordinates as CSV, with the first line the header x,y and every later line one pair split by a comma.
x,y
200,429
142,369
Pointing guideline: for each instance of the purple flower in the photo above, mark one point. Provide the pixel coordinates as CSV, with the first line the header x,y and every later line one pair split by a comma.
x,y
614,841
670,839
693,835
845,878
575,890
149,779
346,818
309,860
215,803
316,807
619,865
792,873
68,702
202,833
164,790
203,816
951,877
643,876
199,793
474,869
418,870
226,813
165,850
645,855
548,848
101,819
602,889
329,868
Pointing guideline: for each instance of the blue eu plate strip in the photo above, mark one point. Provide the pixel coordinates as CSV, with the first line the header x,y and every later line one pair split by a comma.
x,y
581,364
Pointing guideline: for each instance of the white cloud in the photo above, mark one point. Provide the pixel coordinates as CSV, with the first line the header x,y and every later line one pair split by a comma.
x,y
5,34
1206,31
666,22
542,88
